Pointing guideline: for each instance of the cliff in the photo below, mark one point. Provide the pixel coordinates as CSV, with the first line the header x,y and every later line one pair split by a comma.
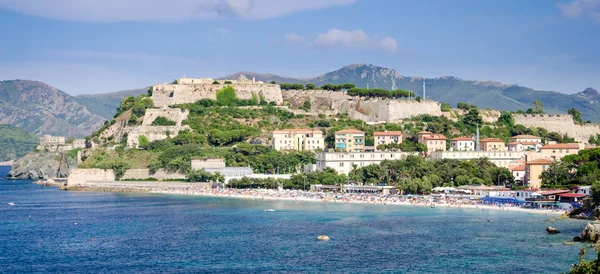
x,y
42,109
42,165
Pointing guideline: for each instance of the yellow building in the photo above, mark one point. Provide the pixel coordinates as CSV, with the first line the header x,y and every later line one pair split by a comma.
x,y
298,139
492,144
558,151
350,140
387,137
533,171
434,142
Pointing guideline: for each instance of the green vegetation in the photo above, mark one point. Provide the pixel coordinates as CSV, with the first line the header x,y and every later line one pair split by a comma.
x,y
586,267
215,82
411,175
73,153
578,169
445,107
16,142
138,105
228,82
576,116
330,87
163,121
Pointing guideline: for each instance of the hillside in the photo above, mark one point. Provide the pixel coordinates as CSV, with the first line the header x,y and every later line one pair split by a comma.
x,y
105,104
42,109
15,142
484,94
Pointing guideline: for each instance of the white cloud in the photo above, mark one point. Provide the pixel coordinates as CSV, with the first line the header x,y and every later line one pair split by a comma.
x,y
163,10
348,39
294,38
576,8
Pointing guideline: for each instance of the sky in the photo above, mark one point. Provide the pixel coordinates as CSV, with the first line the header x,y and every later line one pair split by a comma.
x,y
98,46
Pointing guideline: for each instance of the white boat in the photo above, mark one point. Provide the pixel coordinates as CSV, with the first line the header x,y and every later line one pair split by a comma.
x,y
270,210
11,204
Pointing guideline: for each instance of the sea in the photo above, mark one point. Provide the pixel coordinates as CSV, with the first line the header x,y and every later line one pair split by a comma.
x,y
48,230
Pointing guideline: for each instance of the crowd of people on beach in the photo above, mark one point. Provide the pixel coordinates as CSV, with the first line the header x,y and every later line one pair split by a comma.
x,y
365,198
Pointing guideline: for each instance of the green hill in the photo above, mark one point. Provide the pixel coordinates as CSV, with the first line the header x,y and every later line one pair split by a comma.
x,y
16,142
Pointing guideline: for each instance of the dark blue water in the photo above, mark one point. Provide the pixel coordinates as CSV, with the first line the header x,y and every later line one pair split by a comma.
x,y
57,231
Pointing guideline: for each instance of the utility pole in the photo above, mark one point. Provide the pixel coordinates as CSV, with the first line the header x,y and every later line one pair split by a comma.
x,y
424,97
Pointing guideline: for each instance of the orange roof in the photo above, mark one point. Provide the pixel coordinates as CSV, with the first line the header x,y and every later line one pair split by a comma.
x,y
296,130
530,143
491,140
349,131
462,139
387,133
424,132
561,146
540,161
513,143
525,137
518,168
435,137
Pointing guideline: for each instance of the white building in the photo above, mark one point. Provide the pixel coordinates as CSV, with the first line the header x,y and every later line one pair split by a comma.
x,y
343,162
298,139
500,158
518,173
462,144
584,190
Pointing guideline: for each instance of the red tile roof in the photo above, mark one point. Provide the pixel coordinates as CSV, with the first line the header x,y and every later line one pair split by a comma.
x,y
572,195
561,146
540,161
349,131
525,137
513,143
387,133
462,139
518,168
554,192
435,137
297,130
530,143
424,132
487,140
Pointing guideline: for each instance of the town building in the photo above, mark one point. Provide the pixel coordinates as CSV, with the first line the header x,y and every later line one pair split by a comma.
x,y
558,151
434,142
518,173
584,190
298,139
492,144
462,144
524,146
526,139
50,141
387,137
499,158
350,140
345,162
481,190
533,172
79,143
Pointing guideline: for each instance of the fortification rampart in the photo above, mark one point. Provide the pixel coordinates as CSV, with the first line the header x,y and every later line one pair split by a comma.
x,y
366,109
82,176
171,94
559,123
154,133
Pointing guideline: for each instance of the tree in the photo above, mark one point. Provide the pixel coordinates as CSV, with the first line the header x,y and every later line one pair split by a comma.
x,y
506,118
215,82
143,141
538,105
472,118
228,82
585,267
310,86
149,92
445,107
463,106
273,83
576,115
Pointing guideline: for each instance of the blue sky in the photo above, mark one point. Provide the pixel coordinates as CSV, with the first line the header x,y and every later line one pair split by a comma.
x,y
94,46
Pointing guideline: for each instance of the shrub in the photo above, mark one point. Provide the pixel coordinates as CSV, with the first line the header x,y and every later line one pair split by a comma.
x,y
163,121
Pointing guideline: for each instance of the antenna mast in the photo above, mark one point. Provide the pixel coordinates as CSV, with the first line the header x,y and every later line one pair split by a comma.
x,y
424,89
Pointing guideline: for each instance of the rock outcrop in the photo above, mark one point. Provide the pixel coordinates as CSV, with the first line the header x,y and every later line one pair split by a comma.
x,y
591,233
552,230
42,165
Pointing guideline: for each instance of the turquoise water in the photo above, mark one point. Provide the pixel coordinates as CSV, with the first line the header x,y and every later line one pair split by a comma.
x,y
57,231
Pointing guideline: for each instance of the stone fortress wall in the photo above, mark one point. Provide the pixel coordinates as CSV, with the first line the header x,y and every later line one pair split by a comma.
x,y
366,109
188,90
80,176
154,133
561,123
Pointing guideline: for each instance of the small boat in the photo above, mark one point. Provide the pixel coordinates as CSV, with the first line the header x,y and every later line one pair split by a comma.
x,y
270,210
323,238
11,204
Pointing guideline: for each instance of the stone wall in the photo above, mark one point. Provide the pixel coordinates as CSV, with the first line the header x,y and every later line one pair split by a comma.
x,y
170,94
562,124
81,176
366,109
154,133
144,173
